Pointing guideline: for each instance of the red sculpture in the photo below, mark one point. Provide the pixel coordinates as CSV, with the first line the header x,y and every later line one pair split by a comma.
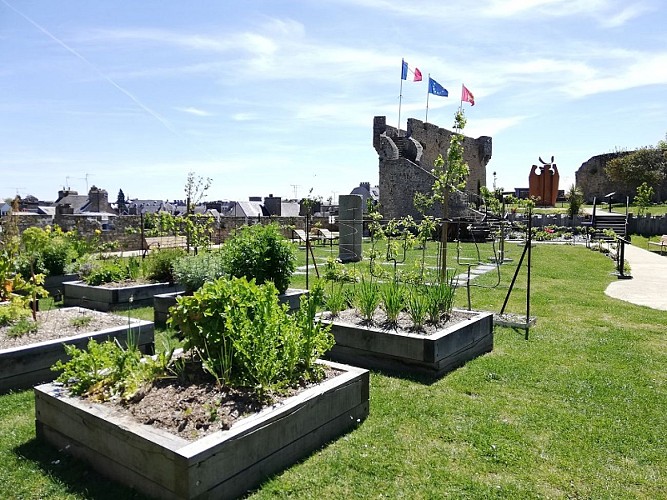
x,y
544,186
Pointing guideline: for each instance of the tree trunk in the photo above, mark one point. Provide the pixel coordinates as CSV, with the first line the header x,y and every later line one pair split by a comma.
x,y
443,238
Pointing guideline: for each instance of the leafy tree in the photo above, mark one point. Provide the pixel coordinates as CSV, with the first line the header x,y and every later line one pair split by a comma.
x,y
644,197
645,165
121,202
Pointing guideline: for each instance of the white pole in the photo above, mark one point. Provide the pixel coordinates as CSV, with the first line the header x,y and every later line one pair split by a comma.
x,y
400,99
428,91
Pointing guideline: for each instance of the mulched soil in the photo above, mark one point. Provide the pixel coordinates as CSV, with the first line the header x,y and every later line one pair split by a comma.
x,y
403,325
59,323
194,406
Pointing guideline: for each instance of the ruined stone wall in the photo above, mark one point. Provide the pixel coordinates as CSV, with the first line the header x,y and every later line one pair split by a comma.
x,y
593,181
405,163
435,140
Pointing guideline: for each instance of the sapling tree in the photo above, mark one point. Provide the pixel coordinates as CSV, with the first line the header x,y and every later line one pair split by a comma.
x,y
195,191
450,174
644,197
575,199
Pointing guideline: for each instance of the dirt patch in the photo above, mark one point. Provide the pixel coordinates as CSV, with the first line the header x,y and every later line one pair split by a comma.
x,y
193,405
403,325
62,323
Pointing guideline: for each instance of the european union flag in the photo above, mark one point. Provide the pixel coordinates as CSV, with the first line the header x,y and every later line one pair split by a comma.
x,y
436,89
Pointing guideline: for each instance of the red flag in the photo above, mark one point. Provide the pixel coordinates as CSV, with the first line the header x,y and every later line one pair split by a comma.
x,y
467,96
418,75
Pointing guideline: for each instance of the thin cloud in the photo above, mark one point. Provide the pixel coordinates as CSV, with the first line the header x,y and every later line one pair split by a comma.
x,y
194,111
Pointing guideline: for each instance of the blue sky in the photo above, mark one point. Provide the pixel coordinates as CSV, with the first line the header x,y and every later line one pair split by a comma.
x,y
279,96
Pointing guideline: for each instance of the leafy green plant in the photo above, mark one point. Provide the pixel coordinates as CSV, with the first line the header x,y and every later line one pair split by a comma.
x,y
366,299
104,370
159,265
13,311
102,272
80,321
260,252
392,301
245,337
336,271
192,271
22,327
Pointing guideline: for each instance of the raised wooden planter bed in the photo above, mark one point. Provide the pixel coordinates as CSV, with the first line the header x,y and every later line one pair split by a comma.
x,y
24,366
102,298
225,464
432,355
54,284
163,301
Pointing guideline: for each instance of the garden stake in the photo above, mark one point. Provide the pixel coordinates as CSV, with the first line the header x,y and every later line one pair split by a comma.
x,y
527,248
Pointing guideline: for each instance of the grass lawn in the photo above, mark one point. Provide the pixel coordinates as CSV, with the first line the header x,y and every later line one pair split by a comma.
x,y
577,411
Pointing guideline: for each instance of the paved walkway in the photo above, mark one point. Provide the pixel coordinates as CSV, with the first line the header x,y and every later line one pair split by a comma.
x,y
648,286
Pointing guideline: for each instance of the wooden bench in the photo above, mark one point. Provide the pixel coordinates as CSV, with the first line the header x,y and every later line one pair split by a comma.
x,y
300,236
161,242
326,236
661,243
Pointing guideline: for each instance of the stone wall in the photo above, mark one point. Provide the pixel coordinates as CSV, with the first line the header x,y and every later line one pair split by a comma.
x,y
593,181
125,230
406,161
645,225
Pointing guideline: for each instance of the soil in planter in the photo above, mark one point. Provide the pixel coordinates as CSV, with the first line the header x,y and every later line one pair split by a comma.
x,y
60,323
196,406
403,325
126,283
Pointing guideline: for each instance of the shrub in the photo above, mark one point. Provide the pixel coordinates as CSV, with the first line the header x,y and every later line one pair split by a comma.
x,y
192,271
159,265
262,253
245,337
101,272
57,255
14,311
50,256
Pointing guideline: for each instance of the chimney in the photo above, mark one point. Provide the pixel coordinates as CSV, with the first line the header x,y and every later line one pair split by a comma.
x,y
273,205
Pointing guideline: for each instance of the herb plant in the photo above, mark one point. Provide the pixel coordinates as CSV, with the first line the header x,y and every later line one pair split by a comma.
x,y
367,299
392,301
244,336
417,305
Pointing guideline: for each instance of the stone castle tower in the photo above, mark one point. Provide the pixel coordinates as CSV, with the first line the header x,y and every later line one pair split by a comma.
x,y
406,161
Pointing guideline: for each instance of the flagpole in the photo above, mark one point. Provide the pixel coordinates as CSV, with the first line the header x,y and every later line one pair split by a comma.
x,y
400,98
427,96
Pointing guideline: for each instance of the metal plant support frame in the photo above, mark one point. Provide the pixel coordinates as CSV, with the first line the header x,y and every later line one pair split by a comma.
x,y
526,250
